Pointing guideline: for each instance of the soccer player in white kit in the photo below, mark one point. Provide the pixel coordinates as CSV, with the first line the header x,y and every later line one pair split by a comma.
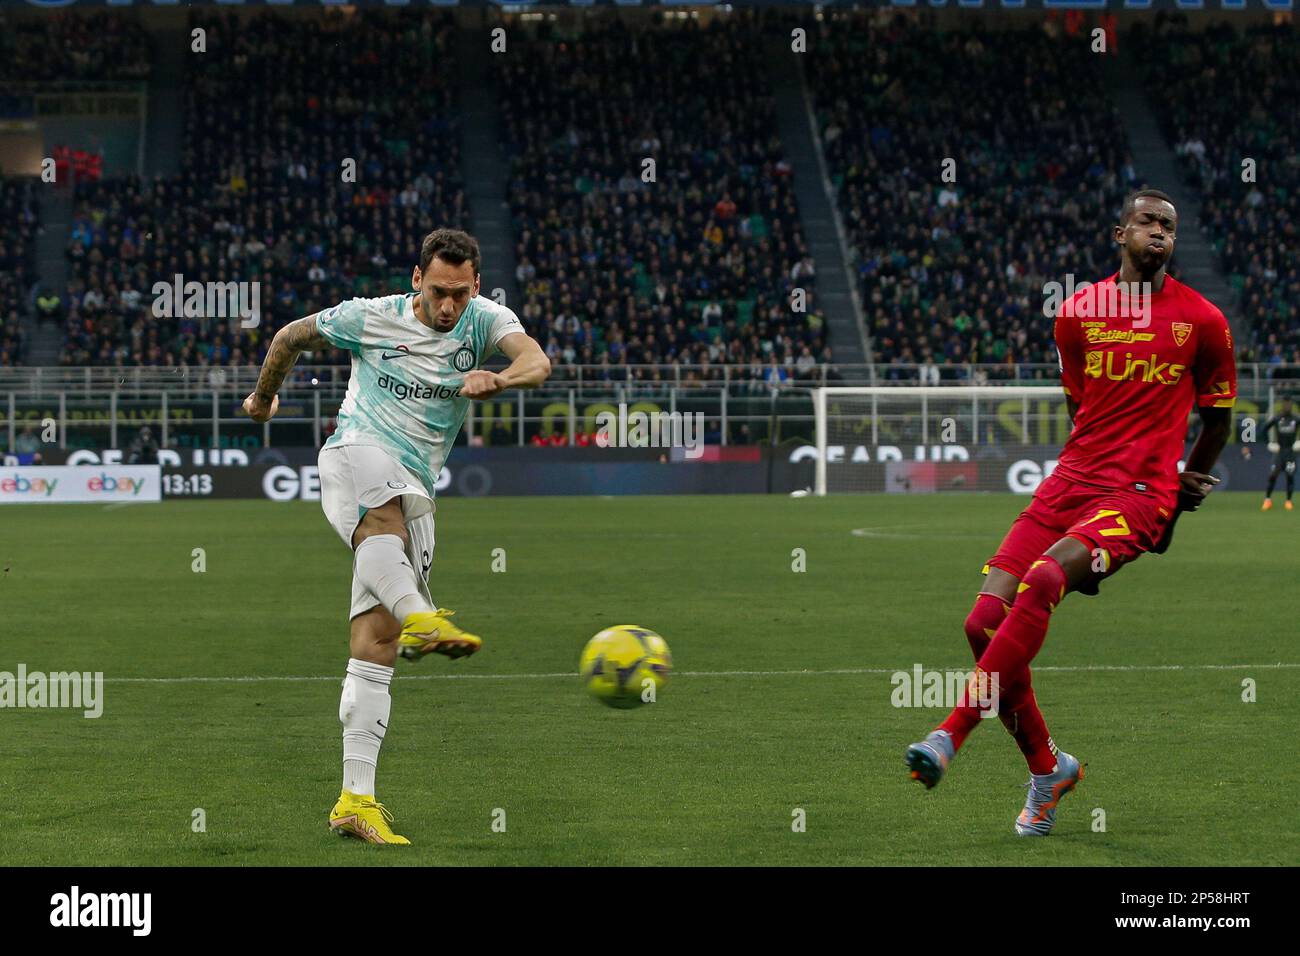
x,y
416,364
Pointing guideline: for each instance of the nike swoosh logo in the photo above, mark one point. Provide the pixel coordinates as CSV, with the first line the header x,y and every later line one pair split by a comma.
x,y
382,724
386,356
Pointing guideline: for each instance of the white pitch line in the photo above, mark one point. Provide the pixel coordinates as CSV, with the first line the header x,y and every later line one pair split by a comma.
x,y
893,532
569,675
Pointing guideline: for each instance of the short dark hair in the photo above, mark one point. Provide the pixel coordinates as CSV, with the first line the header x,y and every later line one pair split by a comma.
x,y
1130,201
450,245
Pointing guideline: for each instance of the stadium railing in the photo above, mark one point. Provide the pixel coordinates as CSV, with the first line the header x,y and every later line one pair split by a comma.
x,y
199,406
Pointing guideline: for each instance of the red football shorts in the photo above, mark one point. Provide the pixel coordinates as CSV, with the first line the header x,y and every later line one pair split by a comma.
x,y
1117,526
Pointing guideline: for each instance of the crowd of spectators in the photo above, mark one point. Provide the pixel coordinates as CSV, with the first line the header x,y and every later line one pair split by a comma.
x,y
952,267
73,46
305,169
652,204
653,208
19,216
1228,101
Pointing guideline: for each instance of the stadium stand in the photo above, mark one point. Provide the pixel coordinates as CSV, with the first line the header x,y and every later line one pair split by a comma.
x,y
698,266
272,112
954,272
694,267
19,218
1225,96
68,46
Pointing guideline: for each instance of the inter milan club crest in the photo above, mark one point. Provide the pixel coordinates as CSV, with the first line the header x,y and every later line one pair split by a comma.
x,y
463,360
1181,331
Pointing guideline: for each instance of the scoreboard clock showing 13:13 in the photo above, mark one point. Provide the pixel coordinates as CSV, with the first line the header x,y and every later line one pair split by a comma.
x,y
182,485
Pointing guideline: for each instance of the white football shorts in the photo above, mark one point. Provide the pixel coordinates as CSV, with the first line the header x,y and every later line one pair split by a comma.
x,y
356,478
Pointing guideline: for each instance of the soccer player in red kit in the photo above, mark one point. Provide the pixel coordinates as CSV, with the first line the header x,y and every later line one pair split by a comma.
x,y
1137,351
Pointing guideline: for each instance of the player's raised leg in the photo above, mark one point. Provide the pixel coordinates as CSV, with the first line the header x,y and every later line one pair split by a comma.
x,y
382,543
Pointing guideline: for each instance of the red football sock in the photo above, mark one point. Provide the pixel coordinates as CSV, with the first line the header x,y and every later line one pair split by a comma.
x,y
1019,713
1018,706
1017,640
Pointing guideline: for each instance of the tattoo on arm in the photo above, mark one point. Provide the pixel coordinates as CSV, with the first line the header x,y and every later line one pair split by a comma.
x,y
299,336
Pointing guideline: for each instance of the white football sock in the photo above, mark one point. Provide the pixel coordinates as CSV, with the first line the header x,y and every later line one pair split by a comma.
x,y
410,604
382,566
363,710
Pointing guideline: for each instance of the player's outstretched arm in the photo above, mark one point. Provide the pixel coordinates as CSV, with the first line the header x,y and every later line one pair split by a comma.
x,y
296,337
528,368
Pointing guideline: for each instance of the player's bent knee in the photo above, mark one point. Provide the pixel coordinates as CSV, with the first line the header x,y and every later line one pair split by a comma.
x,y
1044,584
982,623
387,519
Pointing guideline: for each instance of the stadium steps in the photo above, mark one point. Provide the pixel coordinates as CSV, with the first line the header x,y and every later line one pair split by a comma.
x,y
164,127
45,339
835,294
486,173
1158,166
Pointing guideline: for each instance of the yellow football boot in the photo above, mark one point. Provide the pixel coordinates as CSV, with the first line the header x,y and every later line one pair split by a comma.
x,y
429,632
361,817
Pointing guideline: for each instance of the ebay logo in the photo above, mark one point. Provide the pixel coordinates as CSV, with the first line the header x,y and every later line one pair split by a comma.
x,y
18,485
107,484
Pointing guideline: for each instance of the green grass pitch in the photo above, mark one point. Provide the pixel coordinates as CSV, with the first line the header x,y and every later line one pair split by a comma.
x,y
781,700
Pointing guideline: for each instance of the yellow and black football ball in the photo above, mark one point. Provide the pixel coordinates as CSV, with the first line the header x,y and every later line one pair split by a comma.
x,y
625,666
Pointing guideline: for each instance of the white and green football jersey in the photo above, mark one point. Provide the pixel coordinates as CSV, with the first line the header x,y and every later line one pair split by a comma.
x,y
403,394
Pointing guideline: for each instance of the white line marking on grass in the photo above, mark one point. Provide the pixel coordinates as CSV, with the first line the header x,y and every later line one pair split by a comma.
x,y
1065,669
892,531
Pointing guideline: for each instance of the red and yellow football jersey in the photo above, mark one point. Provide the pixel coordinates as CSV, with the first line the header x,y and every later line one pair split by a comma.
x,y
1136,365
